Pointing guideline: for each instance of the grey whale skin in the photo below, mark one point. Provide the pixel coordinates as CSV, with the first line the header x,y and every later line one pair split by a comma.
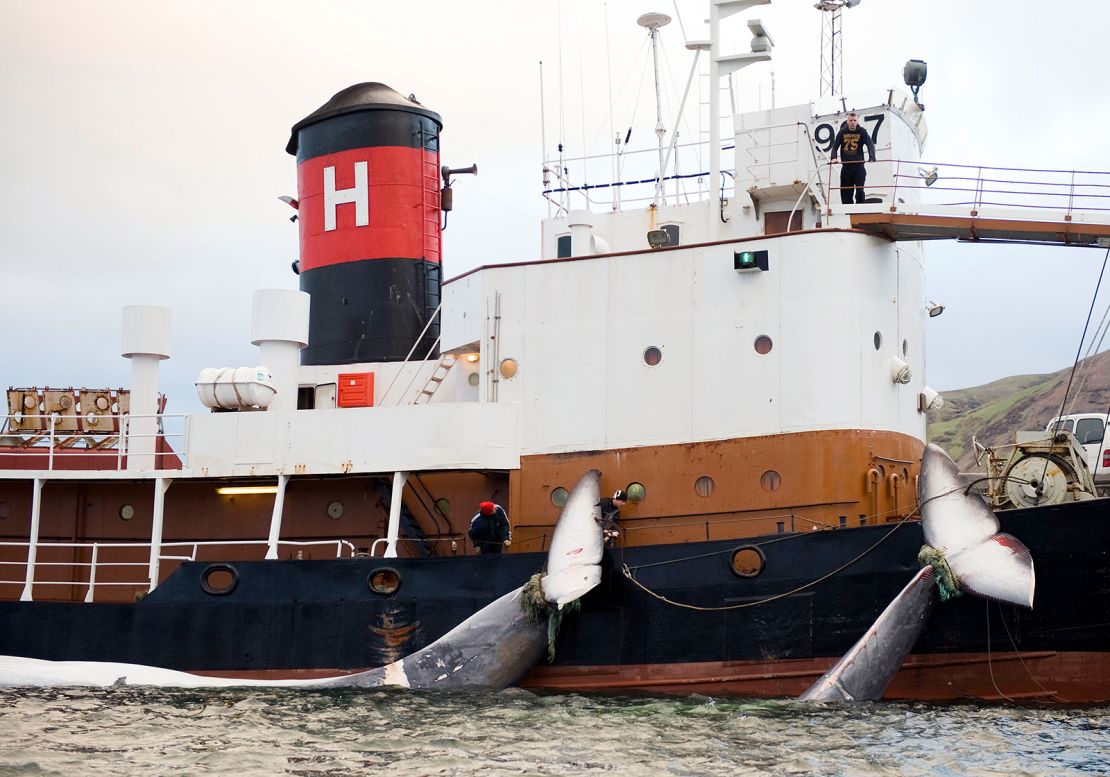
x,y
490,650
959,524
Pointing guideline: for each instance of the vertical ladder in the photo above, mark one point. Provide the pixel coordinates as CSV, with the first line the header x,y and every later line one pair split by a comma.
x,y
435,380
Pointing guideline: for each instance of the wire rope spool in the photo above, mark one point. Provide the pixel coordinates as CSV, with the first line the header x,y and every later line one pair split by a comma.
x,y
1038,479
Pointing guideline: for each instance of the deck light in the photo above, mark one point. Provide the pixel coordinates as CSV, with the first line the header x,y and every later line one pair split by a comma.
x,y
930,176
934,309
472,357
243,490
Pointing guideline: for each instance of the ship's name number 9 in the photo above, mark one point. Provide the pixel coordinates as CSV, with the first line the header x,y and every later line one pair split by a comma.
x,y
825,134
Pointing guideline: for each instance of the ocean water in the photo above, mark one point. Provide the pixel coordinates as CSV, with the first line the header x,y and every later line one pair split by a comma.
x,y
135,731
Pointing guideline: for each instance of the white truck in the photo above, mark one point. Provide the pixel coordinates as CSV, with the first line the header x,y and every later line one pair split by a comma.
x,y
1090,432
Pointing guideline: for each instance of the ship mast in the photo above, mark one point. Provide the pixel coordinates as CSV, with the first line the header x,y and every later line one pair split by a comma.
x,y
721,65
832,45
653,21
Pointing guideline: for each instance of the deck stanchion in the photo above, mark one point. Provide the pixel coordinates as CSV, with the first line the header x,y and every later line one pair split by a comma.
x,y
92,574
394,528
33,539
160,486
275,519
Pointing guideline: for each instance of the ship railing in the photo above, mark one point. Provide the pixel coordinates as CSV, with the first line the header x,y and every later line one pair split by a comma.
x,y
192,550
911,184
632,178
377,547
99,442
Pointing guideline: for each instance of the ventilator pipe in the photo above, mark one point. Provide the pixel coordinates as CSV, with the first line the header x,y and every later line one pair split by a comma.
x,y
581,232
279,327
145,341
874,477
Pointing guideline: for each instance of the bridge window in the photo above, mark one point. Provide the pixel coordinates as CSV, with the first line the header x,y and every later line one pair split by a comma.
x,y
563,247
673,232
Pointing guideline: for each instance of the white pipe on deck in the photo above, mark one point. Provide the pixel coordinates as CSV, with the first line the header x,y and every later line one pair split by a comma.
x,y
394,528
279,327
160,486
145,341
33,539
275,519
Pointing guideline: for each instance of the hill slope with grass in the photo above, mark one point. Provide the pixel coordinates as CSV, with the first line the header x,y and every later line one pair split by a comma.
x,y
995,412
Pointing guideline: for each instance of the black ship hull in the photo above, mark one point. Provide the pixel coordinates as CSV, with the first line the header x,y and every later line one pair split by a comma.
x,y
292,618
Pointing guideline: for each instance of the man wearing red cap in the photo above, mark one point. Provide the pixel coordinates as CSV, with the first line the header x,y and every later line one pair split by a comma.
x,y
489,528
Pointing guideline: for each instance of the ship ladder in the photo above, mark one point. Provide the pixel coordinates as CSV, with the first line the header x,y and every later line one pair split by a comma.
x,y
435,380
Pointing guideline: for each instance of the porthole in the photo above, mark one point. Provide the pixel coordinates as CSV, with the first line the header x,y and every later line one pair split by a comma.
x,y
770,480
219,579
763,345
878,340
473,379
652,356
384,581
126,512
508,368
443,507
636,492
5,510
559,496
704,485
335,510
905,348
747,561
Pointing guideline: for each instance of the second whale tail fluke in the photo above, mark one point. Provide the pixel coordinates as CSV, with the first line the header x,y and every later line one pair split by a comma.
x,y
961,532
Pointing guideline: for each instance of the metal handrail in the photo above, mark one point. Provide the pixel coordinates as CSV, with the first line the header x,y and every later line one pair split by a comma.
x,y
56,443
95,563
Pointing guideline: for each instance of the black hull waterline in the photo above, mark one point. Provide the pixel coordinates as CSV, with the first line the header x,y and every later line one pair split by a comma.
x,y
321,615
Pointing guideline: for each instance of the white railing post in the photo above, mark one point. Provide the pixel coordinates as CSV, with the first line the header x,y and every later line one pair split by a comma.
x,y
394,528
92,574
50,453
33,539
275,519
160,486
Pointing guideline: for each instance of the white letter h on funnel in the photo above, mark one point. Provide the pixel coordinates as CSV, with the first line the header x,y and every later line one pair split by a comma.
x,y
359,195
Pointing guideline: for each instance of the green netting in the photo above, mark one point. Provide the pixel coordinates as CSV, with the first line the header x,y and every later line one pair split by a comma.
x,y
536,607
946,581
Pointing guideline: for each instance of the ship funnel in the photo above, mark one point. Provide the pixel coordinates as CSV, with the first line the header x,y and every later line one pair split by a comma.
x,y
368,208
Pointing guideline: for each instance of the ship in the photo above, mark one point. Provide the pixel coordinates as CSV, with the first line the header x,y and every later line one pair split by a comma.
x,y
737,348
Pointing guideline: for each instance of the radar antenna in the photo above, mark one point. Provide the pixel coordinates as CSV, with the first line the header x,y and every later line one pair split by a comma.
x,y
832,48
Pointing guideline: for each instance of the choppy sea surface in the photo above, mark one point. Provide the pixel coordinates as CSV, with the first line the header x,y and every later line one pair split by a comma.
x,y
131,731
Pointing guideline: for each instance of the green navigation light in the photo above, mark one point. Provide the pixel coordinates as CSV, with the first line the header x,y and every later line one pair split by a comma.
x,y
750,260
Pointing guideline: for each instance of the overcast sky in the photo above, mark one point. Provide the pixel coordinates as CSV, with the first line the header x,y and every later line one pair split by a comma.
x,y
142,148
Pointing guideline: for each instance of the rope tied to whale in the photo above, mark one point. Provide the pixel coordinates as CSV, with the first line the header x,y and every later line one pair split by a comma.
x,y
947,584
534,605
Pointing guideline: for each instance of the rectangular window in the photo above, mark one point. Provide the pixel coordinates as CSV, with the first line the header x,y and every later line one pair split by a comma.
x,y
563,247
1088,430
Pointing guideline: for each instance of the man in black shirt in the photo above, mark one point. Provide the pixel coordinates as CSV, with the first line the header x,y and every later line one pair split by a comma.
x,y
849,143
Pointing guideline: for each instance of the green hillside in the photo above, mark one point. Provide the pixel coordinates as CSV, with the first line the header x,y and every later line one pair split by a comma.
x,y
995,412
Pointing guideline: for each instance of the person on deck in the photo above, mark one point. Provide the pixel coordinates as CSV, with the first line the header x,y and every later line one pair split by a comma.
x,y
489,528
611,513
849,144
